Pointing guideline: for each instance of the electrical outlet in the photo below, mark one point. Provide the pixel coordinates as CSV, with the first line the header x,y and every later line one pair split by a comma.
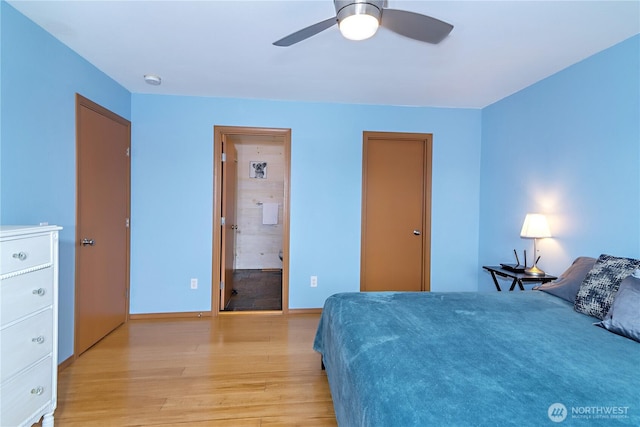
x,y
314,281
194,283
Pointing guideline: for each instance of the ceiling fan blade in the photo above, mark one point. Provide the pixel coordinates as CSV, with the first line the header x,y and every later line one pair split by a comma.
x,y
415,26
305,33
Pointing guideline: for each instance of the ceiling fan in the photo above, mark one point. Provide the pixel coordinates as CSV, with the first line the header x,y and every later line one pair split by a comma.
x,y
359,20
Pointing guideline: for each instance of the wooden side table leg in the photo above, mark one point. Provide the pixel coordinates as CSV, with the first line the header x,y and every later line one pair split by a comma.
x,y
520,285
513,284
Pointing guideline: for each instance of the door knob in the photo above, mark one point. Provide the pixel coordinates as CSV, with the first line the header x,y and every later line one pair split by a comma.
x,y
88,242
416,232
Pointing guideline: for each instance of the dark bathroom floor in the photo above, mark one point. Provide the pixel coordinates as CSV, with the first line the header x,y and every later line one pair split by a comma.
x,y
256,290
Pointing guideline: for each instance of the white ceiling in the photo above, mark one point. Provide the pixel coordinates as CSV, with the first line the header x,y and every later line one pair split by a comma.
x,y
223,48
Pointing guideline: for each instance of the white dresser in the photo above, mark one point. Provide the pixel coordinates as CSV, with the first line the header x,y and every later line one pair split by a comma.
x,y
29,324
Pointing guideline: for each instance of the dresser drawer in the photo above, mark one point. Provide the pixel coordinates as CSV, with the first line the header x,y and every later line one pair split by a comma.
x,y
21,254
25,293
26,394
25,342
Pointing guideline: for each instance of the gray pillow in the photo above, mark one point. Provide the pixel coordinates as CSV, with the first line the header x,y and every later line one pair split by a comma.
x,y
567,285
624,316
596,293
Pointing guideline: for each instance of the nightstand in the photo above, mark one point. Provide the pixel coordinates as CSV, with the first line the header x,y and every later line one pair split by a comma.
x,y
518,278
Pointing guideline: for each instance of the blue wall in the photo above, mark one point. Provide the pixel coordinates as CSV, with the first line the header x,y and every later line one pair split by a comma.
x,y
172,193
40,77
569,147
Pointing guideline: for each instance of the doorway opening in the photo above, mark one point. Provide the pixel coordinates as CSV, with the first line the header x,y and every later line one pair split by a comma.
x,y
251,219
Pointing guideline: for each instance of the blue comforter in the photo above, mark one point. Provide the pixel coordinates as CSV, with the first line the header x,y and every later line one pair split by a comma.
x,y
474,359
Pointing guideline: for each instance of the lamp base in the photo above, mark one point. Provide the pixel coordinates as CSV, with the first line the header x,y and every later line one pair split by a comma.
x,y
534,271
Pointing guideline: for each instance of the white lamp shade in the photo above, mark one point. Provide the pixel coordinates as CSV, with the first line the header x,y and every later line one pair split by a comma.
x,y
535,227
358,27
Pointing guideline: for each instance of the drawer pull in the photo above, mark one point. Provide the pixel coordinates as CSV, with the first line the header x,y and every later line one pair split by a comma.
x,y
40,292
20,255
37,391
38,340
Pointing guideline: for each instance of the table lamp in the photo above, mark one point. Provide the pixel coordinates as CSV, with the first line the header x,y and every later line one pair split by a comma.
x,y
535,227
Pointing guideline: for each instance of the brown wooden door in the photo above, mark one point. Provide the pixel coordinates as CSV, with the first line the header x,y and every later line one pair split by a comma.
x,y
102,233
396,212
228,235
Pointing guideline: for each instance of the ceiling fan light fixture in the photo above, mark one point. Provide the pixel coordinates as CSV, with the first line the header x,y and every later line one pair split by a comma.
x,y
358,21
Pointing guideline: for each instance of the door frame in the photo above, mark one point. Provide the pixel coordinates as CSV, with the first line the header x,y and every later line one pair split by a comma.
x,y
426,208
81,101
228,231
219,133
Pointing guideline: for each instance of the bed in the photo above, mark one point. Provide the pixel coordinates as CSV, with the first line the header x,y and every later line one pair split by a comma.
x,y
474,359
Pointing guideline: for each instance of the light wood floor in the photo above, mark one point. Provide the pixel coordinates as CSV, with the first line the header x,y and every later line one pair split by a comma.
x,y
233,370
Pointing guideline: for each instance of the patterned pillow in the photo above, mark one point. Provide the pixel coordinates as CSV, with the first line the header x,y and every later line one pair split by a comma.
x,y
598,289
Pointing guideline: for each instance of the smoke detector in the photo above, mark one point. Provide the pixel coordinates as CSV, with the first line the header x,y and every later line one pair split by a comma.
x,y
152,79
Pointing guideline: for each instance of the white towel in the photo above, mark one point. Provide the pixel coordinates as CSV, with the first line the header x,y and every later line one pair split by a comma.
x,y
269,213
